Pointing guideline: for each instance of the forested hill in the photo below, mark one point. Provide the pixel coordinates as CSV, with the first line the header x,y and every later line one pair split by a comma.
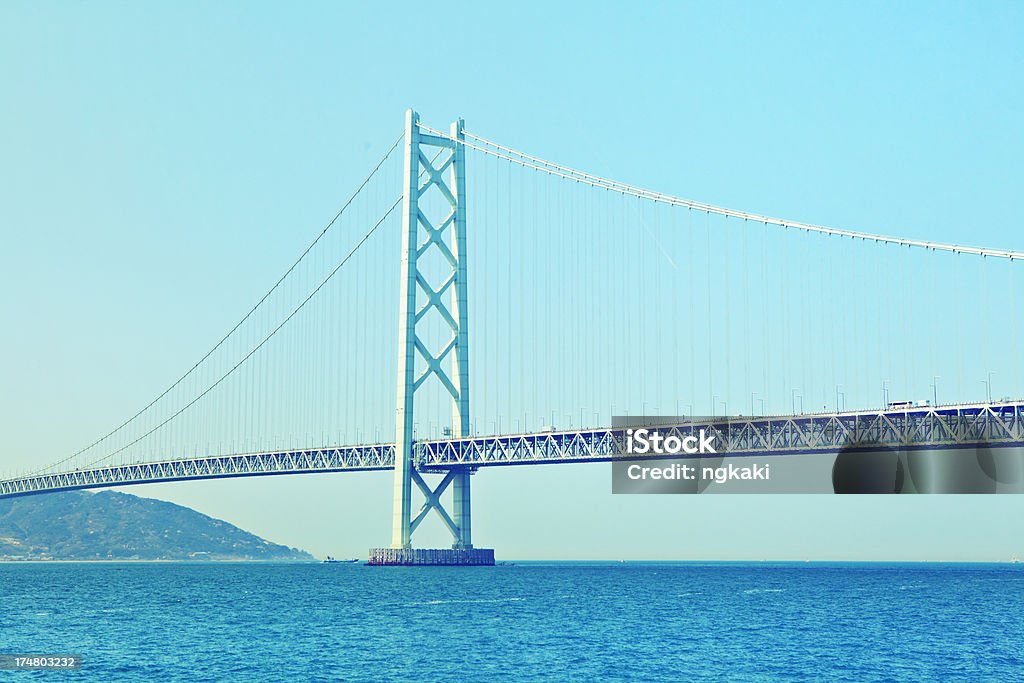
x,y
80,525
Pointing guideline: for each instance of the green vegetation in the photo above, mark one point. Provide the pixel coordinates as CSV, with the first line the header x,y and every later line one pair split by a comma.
x,y
79,525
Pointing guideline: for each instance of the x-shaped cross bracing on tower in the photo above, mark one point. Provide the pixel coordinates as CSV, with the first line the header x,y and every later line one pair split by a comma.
x,y
447,238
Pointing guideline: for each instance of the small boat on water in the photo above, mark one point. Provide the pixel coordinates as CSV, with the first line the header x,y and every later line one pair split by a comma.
x,y
333,560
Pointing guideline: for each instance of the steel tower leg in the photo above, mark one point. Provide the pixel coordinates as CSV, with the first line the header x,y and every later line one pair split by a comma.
x,y
401,532
417,296
460,363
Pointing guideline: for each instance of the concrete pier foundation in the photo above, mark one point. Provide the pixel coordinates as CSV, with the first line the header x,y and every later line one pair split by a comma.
x,y
431,557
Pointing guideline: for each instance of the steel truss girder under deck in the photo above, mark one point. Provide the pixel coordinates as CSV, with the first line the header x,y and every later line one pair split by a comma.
x,y
996,425
334,459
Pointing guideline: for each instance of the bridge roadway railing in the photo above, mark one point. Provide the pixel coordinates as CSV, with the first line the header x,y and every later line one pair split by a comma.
x,y
995,424
970,425
335,459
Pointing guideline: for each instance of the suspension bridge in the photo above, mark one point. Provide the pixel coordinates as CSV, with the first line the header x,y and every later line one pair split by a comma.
x,y
523,325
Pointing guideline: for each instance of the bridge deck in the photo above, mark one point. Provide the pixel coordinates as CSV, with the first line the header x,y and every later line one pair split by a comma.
x,y
996,424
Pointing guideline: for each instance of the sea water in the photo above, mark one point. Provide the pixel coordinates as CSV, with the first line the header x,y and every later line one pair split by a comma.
x,y
520,622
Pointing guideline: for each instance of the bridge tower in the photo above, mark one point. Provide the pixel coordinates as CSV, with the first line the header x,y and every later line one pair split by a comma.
x,y
418,296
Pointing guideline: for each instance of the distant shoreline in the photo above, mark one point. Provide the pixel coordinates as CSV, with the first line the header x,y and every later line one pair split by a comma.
x,y
238,561
797,563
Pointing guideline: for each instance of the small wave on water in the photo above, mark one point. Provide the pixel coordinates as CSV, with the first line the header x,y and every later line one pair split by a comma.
x,y
536,623
461,602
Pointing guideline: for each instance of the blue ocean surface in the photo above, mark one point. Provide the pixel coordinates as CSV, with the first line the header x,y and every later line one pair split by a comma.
x,y
521,622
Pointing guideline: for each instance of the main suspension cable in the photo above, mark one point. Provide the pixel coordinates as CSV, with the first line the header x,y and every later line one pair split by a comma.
x,y
260,345
536,163
244,318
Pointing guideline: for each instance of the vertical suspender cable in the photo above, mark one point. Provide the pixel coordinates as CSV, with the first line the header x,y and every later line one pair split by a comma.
x,y
708,321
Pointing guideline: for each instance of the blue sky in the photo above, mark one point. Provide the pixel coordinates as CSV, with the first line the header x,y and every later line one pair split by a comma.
x,y
162,164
